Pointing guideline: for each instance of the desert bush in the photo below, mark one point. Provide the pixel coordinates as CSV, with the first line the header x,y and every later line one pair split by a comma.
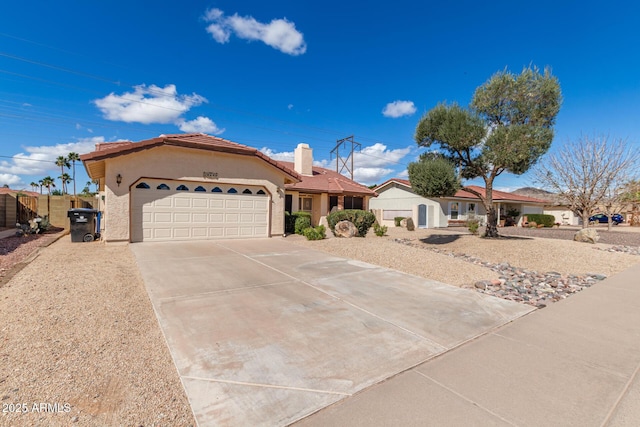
x,y
473,225
363,220
380,230
314,233
290,220
546,220
302,223
410,225
397,220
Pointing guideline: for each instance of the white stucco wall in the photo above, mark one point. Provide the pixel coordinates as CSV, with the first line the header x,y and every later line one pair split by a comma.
x,y
179,163
399,198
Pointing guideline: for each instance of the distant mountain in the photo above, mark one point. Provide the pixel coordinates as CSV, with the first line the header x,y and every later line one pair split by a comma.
x,y
538,193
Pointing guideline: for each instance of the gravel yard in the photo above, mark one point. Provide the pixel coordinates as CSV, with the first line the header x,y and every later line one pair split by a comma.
x,y
78,330
528,252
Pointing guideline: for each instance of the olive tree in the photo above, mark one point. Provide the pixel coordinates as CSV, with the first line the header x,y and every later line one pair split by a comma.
x,y
507,128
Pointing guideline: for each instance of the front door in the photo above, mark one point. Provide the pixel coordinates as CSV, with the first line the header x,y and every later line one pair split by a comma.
x,y
422,216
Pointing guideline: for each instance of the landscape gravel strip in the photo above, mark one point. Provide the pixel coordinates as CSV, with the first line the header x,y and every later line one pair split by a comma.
x,y
80,344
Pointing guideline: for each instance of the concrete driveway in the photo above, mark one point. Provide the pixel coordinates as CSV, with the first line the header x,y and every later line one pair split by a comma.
x,y
265,332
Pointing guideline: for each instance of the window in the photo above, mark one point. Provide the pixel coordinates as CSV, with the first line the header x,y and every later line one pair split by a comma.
x,y
247,191
216,190
471,210
232,191
453,210
182,188
333,203
163,187
305,204
261,192
143,185
199,188
353,202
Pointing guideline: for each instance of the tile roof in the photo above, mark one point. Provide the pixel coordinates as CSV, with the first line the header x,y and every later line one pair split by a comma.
x,y
327,181
190,140
4,190
498,196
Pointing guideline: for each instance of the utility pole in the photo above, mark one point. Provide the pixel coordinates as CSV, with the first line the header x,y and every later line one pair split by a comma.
x,y
343,163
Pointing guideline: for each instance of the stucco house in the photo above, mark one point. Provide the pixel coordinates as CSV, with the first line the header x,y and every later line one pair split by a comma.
x,y
321,190
188,186
196,186
396,198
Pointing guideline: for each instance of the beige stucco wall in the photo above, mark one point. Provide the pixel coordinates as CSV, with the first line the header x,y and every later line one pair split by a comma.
x,y
399,198
179,163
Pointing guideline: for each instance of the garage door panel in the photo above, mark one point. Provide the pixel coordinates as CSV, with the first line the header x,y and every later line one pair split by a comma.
x,y
200,202
182,202
181,233
232,203
182,215
163,203
200,217
162,217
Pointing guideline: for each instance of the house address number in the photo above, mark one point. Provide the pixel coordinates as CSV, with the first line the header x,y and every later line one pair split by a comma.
x,y
210,175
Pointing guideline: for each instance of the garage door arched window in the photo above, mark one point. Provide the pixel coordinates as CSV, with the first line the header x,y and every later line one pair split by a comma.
x,y
216,190
232,191
200,188
163,187
261,192
143,185
182,188
247,191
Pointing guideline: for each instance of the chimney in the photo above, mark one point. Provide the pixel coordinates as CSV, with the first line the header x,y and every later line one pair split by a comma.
x,y
303,156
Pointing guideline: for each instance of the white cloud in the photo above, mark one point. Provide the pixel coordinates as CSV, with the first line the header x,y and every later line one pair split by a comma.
x,y
290,106
280,34
397,109
285,156
371,164
404,174
10,180
148,104
40,160
200,125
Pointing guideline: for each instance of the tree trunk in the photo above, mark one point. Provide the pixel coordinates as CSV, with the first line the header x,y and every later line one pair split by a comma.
x,y
635,217
585,219
492,224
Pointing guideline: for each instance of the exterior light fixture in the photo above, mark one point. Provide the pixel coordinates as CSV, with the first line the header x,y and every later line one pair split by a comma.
x,y
119,179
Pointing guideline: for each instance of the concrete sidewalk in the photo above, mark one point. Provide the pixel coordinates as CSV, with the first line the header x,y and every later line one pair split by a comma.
x,y
574,363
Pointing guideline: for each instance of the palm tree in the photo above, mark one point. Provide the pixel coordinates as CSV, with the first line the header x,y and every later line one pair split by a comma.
x,y
73,158
66,179
34,185
40,184
48,182
63,163
97,183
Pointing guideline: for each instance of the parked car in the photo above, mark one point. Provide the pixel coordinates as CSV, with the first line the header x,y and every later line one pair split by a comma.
x,y
604,219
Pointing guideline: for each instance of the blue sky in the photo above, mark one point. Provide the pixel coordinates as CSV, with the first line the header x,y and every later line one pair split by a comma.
x,y
273,74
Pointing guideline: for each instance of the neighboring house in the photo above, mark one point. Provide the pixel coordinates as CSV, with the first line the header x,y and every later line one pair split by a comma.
x,y
188,186
321,190
553,206
396,198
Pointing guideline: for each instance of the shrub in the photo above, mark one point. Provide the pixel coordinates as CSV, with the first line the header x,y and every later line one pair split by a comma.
x,y
380,230
363,220
410,225
302,223
314,233
290,221
546,220
397,220
473,225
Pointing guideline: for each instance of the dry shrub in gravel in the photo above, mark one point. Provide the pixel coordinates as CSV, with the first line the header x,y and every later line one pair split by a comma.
x,y
78,329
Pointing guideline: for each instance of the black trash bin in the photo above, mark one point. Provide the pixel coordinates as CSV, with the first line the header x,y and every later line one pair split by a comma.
x,y
83,224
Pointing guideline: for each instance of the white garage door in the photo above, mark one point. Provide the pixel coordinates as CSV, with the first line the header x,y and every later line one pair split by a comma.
x,y
170,210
